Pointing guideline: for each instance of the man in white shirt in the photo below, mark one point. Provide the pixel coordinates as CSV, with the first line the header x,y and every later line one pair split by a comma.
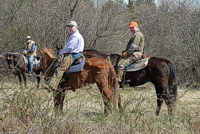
x,y
72,50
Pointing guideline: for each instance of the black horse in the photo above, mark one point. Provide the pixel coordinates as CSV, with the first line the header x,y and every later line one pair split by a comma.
x,y
160,72
16,62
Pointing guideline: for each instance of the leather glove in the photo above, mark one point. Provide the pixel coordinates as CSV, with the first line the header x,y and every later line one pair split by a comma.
x,y
124,54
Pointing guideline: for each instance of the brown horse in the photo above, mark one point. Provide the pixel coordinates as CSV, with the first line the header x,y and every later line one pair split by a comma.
x,y
16,62
96,70
160,72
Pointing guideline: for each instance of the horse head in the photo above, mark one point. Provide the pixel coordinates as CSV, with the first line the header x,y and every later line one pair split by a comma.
x,y
14,59
48,53
9,59
47,58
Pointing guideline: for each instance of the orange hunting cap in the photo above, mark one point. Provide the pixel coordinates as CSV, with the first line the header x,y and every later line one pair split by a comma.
x,y
133,24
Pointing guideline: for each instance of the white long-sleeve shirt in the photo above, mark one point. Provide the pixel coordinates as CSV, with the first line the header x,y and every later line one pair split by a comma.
x,y
74,45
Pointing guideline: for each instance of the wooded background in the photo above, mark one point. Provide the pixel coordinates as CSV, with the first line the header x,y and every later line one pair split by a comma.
x,y
171,28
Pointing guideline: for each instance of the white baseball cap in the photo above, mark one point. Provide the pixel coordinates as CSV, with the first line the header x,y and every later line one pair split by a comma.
x,y
28,37
72,23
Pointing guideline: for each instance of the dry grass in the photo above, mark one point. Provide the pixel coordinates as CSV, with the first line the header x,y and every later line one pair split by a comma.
x,y
31,111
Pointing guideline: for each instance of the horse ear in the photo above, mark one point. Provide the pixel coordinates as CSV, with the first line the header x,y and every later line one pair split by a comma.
x,y
40,51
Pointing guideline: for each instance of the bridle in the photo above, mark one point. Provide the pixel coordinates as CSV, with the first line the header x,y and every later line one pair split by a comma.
x,y
41,64
41,61
12,61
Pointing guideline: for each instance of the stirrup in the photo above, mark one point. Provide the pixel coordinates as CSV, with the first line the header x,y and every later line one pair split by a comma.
x,y
30,74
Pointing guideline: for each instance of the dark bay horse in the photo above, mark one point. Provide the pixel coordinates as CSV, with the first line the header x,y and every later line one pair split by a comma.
x,y
16,62
95,70
160,72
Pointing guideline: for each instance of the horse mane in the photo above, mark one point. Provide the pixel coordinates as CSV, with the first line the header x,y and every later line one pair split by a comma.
x,y
49,53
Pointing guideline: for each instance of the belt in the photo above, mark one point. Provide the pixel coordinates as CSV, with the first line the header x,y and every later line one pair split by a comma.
x,y
138,51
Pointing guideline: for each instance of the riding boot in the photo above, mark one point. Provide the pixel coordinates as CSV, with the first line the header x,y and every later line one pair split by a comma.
x,y
120,73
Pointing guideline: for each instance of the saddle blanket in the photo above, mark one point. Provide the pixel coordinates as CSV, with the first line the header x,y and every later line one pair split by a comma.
x,y
35,61
77,67
137,65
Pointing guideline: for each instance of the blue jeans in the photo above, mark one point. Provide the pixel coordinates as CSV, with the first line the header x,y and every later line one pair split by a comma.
x,y
30,63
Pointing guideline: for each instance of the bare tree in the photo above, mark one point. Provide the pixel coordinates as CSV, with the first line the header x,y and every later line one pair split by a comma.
x,y
171,27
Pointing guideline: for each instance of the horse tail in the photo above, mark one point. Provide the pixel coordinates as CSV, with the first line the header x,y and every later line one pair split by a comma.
x,y
172,83
113,84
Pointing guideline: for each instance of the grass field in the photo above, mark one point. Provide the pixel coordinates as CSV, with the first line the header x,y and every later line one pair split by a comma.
x,y
30,111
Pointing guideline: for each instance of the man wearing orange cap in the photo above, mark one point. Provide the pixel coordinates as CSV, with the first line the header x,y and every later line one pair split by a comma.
x,y
133,51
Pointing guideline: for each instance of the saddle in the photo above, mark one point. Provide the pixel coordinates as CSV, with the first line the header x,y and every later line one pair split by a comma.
x,y
77,66
138,65
36,61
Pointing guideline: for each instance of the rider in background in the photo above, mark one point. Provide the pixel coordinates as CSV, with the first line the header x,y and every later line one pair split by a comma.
x,y
30,49
72,51
133,51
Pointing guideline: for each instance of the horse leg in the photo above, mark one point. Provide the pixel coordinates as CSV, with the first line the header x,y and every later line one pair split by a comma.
x,y
24,77
38,79
169,103
159,99
163,94
106,99
19,77
106,94
107,107
59,97
119,104
159,104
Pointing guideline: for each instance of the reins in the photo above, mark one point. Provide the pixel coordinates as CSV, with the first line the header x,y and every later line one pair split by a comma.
x,y
49,67
15,67
42,64
18,63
